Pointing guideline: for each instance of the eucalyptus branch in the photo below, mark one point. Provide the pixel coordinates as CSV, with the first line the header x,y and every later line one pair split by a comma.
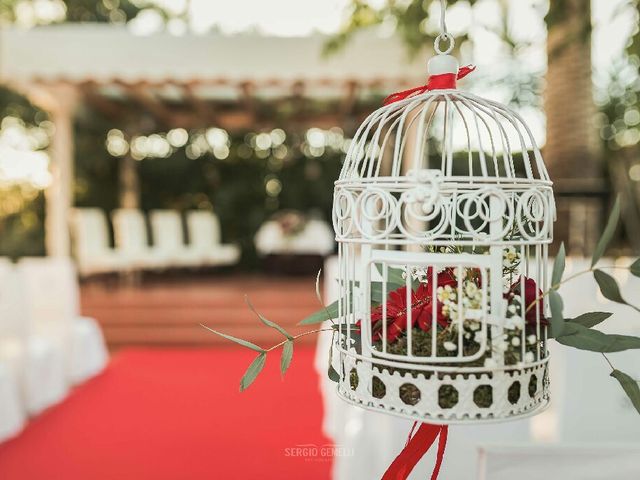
x,y
295,337
319,297
568,279
608,361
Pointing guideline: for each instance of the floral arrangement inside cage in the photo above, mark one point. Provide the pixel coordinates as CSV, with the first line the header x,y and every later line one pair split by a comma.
x,y
443,215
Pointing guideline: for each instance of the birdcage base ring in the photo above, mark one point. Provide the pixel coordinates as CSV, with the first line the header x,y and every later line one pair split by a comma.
x,y
490,397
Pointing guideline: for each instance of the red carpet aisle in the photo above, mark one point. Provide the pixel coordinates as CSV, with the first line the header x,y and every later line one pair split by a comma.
x,y
177,415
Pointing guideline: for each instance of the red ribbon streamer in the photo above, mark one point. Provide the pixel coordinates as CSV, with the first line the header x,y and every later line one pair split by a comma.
x,y
415,448
444,81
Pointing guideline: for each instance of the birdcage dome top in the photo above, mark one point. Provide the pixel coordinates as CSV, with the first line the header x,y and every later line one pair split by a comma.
x,y
458,135
437,165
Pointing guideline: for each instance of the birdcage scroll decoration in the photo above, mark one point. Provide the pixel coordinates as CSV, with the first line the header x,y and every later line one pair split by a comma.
x,y
443,214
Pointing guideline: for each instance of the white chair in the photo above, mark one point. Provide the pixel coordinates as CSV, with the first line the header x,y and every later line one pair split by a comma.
x,y
166,227
12,415
91,243
559,462
131,237
205,239
316,238
53,306
36,363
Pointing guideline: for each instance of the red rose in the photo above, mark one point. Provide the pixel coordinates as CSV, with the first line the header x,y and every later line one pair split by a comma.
x,y
421,308
397,315
532,294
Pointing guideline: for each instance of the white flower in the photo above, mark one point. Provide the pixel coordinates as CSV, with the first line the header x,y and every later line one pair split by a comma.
x,y
510,257
450,346
471,289
478,337
531,339
511,309
514,322
490,363
502,347
529,357
446,295
515,341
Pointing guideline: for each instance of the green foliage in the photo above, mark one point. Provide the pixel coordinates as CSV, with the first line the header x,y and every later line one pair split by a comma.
x,y
607,235
329,312
239,341
584,338
590,319
334,376
287,355
235,188
630,386
410,19
266,321
105,11
252,372
635,268
557,319
633,9
394,277
21,222
558,267
609,288
22,206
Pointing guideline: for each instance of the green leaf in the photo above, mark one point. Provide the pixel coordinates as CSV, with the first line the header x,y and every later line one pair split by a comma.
x,y
394,276
635,268
252,372
607,235
583,338
239,341
630,387
609,288
590,319
333,375
558,267
329,312
557,319
287,355
266,321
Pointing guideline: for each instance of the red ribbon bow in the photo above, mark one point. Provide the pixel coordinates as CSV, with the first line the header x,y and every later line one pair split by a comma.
x,y
415,448
443,81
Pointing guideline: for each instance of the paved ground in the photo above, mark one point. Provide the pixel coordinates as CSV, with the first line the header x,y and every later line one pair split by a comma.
x,y
168,312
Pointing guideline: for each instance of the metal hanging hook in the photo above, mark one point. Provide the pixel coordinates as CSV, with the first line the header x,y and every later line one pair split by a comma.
x,y
443,18
444,33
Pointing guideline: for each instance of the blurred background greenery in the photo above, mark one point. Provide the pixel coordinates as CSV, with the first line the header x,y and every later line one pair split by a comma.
x,y
248,174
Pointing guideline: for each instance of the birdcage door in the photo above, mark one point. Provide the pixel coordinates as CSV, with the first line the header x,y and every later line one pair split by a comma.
x,y
426,307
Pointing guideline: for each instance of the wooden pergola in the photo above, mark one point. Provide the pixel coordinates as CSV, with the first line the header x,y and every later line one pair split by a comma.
x,y
187,81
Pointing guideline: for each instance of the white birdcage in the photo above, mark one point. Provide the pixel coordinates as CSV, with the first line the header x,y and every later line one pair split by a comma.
x,y
444,205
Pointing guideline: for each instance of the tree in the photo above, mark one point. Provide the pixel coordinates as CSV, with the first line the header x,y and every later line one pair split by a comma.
x,y
106,11
573,149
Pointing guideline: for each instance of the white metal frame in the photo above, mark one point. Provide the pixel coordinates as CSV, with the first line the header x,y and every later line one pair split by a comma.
x,y
393,195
